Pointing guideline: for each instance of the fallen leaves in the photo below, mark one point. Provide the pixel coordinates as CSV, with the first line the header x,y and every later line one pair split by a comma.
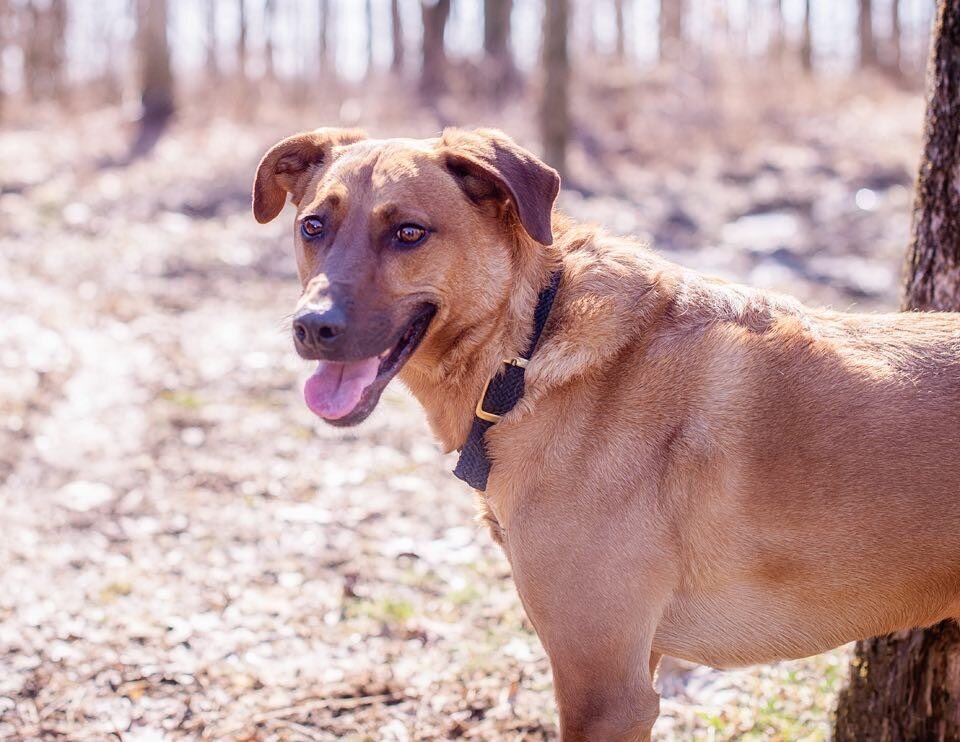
x,y
189,554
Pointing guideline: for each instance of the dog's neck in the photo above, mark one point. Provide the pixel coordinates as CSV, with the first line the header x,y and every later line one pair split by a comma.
x,y
449,380
592,319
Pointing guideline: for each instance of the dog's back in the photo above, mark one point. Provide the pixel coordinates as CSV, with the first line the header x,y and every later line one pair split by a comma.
x,y
812,458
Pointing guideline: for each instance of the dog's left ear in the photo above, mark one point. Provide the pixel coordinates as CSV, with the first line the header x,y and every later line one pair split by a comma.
x,y
489,164
288,165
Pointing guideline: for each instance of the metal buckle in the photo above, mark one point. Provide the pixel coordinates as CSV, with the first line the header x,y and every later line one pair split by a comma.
x,y
491,417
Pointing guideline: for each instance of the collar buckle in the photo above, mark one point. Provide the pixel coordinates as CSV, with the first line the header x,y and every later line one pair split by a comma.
x,y
492,417
473,467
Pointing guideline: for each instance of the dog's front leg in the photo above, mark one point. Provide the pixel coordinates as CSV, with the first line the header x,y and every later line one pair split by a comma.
x,y
599,701
598,633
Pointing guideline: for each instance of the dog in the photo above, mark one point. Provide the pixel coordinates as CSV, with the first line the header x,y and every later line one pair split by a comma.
x,y
693,468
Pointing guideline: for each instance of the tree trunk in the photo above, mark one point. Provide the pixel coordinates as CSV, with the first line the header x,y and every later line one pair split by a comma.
x,y
779,32
433,76
242,40
323,40
933,280
368,24
496,44
57,53
672,15
555,104
868,46
5,22
620,51
806,45
212,65
907,686
269,24
156,76
396,27
38,51
895,33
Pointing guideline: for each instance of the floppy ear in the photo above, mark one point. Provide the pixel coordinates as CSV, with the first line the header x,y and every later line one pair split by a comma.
x,y
288,165
490,164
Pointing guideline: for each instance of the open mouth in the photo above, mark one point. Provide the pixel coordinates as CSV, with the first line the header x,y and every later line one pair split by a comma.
x,y
345,392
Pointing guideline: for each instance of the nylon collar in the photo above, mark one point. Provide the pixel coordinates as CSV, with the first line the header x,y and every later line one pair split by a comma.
x,y
500,395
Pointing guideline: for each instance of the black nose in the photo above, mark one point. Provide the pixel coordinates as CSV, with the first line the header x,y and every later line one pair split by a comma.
x,y
318,330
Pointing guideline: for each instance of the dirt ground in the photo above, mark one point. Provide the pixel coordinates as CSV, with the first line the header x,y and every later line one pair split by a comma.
x,y
188,553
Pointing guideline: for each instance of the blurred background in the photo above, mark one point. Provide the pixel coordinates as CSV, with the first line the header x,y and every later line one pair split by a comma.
x,y
186,551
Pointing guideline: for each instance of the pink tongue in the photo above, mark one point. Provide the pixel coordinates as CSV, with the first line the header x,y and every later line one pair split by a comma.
x,y
335,389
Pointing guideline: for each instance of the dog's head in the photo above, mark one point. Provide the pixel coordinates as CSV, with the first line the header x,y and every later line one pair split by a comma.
x,y
399,244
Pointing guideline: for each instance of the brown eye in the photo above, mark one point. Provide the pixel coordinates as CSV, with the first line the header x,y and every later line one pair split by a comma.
x,y
311,227
410,234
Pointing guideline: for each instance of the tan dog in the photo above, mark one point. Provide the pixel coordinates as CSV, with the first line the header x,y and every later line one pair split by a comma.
x,y
695,469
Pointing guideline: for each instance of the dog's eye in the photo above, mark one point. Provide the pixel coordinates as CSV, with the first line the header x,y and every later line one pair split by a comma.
x,y
311,227
410,234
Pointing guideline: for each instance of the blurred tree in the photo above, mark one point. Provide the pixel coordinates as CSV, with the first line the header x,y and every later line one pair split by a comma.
x,y
907,686
555,103
806,44
212,65
496,43
867,43
242,39
396,27
156,76
57,53
31,46
895,34
589,21
324,56
6,21
672,16
368,26
433,75
620,50
43,48
779,41
269,29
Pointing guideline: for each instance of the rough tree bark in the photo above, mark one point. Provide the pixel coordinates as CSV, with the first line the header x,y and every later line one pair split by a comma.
x,y
496,43
433,76
933,280
867,43
555,104
907,686
672,15
396,28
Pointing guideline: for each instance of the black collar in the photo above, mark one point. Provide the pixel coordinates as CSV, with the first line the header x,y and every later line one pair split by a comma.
x,y
501,395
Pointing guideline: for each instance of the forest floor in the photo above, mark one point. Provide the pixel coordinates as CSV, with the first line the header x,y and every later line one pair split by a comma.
x,y
188,553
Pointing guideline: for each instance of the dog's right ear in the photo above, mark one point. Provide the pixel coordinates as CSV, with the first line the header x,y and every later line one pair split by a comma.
x,y
289,164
